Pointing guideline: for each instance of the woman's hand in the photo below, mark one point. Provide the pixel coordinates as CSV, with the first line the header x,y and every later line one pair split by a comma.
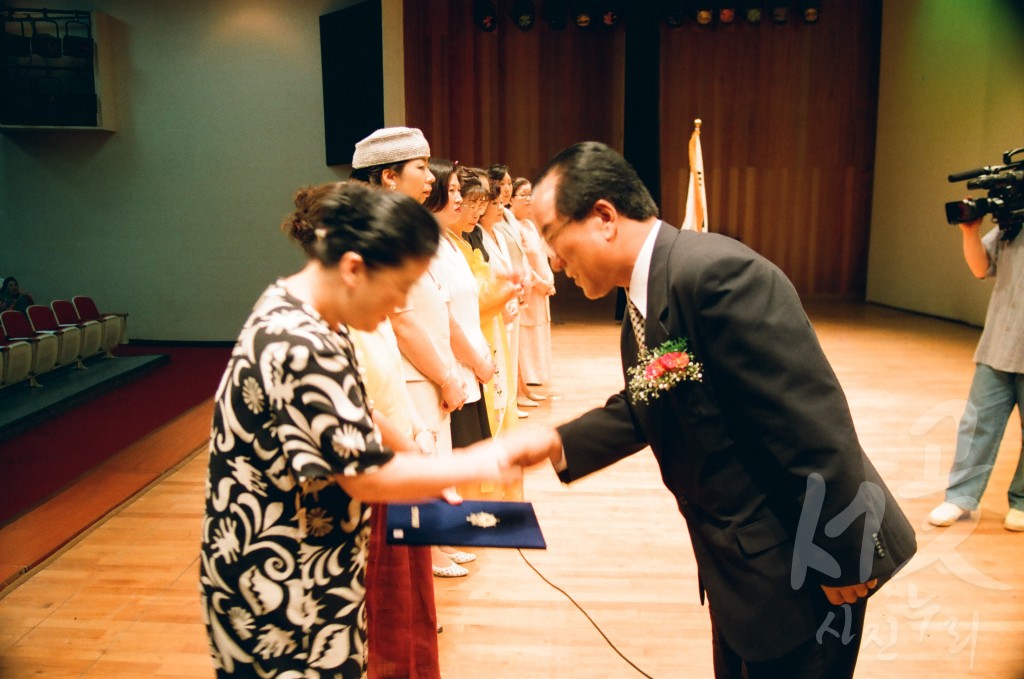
x,y
426,441
484,370
453,393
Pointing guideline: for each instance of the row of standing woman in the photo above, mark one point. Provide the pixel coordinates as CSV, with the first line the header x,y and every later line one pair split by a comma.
x,y
352,384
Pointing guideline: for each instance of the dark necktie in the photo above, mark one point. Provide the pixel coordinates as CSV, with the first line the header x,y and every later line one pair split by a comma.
x,y
636,319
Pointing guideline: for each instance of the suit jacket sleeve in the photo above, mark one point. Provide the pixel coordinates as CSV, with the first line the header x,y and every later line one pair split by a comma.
x,y
600,438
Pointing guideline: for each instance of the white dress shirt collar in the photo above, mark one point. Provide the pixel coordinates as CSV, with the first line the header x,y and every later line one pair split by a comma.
x,y
637,290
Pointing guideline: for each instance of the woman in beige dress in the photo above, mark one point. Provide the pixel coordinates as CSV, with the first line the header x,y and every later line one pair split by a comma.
x,y
535,316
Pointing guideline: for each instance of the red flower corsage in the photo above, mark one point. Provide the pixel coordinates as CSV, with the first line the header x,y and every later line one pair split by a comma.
x,y
660,369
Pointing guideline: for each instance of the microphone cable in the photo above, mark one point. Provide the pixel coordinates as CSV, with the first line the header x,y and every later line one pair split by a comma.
x,y
585,614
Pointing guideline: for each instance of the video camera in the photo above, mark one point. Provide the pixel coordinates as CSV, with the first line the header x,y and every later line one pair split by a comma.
x,y
1005,201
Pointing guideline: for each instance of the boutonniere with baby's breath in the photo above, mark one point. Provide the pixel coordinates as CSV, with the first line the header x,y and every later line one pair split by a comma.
x,y
659,369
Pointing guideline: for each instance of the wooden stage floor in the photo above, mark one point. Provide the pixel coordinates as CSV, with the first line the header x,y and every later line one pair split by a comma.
x,y
121,599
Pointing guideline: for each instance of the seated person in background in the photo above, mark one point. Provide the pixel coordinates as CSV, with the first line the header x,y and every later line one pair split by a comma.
x,y
13,297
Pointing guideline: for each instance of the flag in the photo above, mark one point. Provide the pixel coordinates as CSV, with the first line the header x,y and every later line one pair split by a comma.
x,y
696,197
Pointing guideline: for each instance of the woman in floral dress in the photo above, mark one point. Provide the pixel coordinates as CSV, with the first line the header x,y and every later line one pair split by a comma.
x,y
294,454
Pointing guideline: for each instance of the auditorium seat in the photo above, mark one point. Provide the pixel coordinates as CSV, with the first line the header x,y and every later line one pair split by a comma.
x,y
92,331
69,339
45,347
112,323
17,362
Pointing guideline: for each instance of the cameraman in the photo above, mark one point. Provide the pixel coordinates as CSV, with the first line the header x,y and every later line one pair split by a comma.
x,y
998,378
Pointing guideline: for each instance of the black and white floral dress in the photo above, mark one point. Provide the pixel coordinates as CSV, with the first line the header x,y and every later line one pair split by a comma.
x,y
283,546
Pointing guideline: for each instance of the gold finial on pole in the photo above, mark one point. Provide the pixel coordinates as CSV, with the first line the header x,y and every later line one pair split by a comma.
x,y
696,125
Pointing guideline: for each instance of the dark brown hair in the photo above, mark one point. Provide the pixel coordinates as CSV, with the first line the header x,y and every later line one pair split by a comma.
x,y
442,169
384,228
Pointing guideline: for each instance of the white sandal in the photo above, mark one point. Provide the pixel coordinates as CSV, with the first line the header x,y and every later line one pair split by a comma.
x,y
453,571
460,557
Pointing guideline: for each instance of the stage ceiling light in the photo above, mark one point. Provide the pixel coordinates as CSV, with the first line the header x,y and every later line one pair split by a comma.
x,y
780,12
726,11
524,14
485,16
753,11
811,10
611,14
584,14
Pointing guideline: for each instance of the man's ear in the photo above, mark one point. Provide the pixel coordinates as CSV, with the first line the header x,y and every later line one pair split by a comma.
x,y
609,216
350,267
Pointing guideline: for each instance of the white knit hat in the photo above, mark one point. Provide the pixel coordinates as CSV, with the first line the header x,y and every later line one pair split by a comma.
x,y
390,145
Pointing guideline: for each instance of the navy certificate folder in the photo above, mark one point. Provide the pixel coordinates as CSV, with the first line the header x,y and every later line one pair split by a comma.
x,y
470,524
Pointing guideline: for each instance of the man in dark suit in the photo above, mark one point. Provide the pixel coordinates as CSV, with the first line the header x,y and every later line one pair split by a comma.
x,y
791,525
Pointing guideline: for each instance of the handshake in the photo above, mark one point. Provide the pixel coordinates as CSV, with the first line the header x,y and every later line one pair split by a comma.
x,y
521,448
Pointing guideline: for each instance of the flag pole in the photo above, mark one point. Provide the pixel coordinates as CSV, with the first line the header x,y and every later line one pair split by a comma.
x,y
696,194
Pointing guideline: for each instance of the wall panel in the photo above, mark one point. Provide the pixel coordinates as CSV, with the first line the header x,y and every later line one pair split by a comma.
x,y
789,117
788,131
509,96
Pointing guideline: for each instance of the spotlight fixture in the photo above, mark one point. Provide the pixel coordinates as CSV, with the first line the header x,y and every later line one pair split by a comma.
x,y
554,14
704,14
753,11
611,14
583,14
726,15
811,10
780,12
485,16
674,12
524,14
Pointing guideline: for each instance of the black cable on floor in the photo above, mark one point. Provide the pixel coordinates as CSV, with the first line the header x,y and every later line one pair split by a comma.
x,y
585,614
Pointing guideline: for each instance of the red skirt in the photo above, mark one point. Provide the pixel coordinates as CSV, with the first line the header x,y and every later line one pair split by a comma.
x,y
401,620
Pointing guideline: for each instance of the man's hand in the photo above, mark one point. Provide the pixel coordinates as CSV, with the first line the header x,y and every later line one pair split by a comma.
x,y
968,227
849,594
525,447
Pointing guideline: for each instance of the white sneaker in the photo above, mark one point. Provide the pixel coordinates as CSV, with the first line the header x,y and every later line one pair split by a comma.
x,y
1014,520
948,513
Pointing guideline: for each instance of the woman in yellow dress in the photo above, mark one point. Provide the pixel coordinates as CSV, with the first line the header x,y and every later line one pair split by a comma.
x,y
477,297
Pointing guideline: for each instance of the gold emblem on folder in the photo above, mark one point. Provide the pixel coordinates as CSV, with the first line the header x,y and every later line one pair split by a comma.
x,y
483,519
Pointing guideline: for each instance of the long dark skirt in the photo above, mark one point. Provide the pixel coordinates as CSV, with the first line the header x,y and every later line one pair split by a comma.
x,y
469,424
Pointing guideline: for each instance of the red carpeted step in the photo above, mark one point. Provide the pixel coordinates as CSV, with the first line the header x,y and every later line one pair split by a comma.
x,y
40,462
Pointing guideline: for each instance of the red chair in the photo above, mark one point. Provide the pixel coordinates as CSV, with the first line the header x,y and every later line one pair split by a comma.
x,y
44,346
87,311
69,339
92,331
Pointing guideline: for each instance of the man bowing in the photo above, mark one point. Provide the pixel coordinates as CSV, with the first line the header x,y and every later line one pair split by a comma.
x,y
791,526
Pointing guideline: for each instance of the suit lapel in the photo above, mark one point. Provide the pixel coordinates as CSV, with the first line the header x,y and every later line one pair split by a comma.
x,y
655,328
